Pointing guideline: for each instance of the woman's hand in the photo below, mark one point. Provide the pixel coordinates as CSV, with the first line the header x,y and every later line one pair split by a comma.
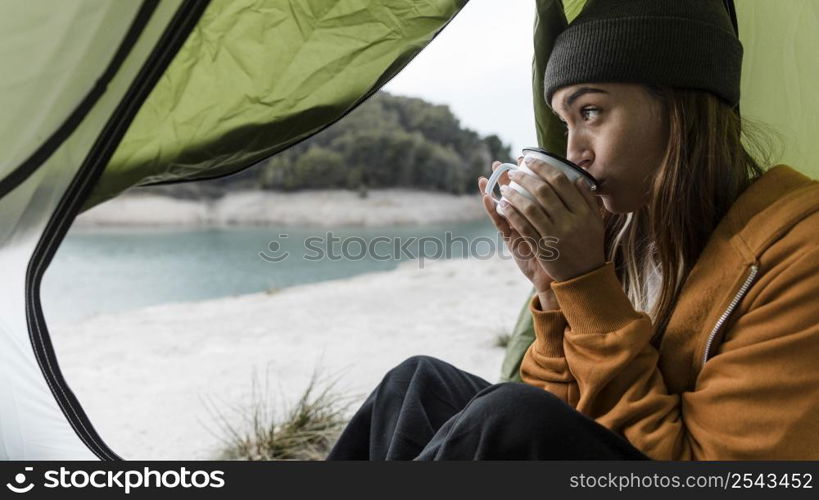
x,y
522,252
565,214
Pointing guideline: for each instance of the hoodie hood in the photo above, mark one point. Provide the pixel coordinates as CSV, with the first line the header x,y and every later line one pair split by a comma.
x,y
749,245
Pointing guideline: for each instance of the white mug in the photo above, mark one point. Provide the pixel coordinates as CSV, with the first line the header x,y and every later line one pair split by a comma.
x,y
572,171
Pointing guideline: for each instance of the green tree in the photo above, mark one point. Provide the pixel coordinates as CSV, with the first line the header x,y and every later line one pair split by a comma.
x,y
388,141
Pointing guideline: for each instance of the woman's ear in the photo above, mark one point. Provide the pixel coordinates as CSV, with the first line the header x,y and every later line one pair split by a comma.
x,y
660,97
656,91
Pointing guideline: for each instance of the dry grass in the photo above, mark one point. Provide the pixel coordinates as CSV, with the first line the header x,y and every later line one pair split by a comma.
x,y
502,340
307,430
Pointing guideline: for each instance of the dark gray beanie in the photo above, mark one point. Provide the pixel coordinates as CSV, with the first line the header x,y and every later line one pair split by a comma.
x,y
677,43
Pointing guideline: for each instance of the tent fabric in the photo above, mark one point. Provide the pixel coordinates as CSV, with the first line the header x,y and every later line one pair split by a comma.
x,y
40,89
258,76
40,418
780,68
104,95
779,75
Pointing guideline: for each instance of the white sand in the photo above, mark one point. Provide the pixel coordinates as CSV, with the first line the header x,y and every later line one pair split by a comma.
x,y
330,208
145,376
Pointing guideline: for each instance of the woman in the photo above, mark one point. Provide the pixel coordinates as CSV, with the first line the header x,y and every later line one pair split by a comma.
x,y
680,319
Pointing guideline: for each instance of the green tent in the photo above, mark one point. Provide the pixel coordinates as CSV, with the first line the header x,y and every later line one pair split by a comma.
x,y
98,96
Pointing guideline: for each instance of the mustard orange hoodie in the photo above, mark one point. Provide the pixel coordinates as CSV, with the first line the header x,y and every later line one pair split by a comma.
x,y
736,376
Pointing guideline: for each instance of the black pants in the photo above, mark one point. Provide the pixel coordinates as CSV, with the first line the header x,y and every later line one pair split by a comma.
x,y
426,409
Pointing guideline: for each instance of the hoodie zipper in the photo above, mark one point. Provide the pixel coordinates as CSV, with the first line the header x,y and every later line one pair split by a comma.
x,y
722,319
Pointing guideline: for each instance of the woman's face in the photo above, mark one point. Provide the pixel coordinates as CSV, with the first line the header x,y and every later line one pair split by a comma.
x,y
618,132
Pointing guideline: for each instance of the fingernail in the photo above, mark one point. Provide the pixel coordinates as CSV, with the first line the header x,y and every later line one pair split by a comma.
x,y
504,189
514,174
504,203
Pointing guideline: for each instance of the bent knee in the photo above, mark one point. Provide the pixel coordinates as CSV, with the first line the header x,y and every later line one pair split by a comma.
x,y
522,403
419,364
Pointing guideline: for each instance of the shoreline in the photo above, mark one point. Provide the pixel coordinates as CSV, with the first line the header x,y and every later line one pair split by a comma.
x,y
325,208
150,378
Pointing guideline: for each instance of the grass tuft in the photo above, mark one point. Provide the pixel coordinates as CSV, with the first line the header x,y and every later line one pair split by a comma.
x,y
502,340
307,430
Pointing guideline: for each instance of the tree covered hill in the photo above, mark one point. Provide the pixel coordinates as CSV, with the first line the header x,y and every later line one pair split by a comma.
x,y
388,141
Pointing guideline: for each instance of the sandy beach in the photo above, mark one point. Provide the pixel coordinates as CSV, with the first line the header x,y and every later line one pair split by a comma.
x,y
151,378
326,208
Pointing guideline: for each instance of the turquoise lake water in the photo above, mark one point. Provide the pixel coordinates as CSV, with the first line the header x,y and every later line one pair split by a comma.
x,y
110,270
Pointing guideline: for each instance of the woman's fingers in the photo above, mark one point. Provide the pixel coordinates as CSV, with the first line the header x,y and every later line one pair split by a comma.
x,y
518,245
566,190
510,234
532,211
544,192
526,233
504,177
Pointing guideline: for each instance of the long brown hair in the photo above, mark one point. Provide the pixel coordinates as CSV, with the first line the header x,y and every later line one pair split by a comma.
x,y
705,168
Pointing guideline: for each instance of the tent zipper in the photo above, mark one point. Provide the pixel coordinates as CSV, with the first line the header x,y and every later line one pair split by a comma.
x,y
724,317
168,45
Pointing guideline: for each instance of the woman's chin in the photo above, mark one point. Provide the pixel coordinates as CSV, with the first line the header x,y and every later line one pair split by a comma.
x,y
611,205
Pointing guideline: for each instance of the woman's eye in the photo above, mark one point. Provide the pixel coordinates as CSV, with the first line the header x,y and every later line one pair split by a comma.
x,y
587,113
587,110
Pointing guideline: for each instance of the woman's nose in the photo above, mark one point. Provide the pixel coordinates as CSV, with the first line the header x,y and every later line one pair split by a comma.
x,y
577,150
